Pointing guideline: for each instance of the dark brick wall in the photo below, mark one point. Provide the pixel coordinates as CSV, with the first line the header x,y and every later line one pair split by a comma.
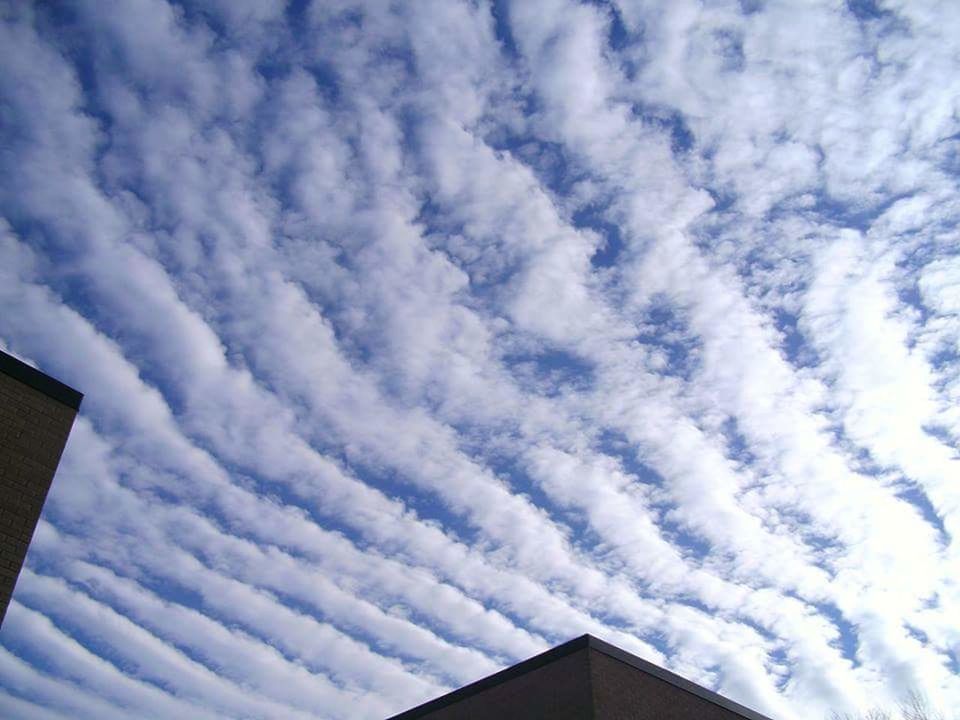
x,y
557,691
583,679
33,431
622,692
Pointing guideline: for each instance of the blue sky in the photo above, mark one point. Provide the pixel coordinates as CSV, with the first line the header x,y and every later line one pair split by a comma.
x,y
419,337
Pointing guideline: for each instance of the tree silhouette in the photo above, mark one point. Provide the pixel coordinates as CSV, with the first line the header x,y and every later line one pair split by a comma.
x,y
914,707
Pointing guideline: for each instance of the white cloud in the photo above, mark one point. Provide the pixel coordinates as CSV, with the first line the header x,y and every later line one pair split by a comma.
x,y
368,416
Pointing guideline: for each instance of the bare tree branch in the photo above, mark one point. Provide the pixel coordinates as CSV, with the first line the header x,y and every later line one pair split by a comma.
x,y
914,707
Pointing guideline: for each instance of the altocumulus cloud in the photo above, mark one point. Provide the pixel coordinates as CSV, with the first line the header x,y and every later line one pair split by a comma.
x,y
419,337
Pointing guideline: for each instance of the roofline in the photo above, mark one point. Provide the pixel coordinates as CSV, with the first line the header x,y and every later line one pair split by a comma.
x,y
521,668
676,680
567,648
30,376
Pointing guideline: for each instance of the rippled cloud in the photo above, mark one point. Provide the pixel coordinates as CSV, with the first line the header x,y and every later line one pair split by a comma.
x,y
418,338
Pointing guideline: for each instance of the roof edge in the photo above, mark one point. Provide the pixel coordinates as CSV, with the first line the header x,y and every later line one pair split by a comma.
x,y
39,381
672,678
567,648
521,668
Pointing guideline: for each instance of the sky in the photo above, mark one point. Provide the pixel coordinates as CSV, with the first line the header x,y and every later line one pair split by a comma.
x,y
419,337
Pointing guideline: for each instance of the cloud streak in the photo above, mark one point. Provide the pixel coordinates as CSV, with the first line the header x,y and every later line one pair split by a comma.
x,y
417,339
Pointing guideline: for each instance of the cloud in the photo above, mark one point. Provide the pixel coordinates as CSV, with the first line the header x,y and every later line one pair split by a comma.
x,y
417,339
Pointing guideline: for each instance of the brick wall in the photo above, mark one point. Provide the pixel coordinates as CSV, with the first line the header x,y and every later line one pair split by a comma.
x,y
584,679
33,431
622,692
557,691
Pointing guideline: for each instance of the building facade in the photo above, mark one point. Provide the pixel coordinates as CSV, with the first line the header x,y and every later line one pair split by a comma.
x,y
36,414
584,679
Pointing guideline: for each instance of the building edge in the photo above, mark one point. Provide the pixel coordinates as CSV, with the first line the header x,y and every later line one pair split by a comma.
x,y
39,381
678,681
572,646
521,668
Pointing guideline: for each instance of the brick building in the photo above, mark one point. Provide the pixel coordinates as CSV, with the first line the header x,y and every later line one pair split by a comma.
x,y
36,414
584,679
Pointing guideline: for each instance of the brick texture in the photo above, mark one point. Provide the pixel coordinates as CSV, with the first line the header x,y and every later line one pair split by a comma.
x,y
622,692
584,679
558,691
33,432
